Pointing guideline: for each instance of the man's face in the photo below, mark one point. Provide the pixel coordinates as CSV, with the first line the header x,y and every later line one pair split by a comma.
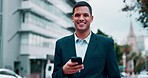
x,y
82,18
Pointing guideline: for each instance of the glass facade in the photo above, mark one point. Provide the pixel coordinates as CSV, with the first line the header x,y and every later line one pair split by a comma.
x,y
0,26
34,40
51,8
0,19
1,59
0,6
37,20
0,33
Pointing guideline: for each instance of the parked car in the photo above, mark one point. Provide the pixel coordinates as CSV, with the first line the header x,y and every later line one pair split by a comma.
x,y
6,73
143,74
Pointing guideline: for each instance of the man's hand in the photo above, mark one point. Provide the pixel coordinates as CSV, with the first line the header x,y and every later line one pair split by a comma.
x,y
72,67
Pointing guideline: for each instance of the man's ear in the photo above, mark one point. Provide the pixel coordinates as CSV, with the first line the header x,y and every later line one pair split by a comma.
x,y
72,18
92,17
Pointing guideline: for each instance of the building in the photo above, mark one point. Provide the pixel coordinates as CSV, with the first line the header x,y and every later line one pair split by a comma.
x,y
132,39
28,31
136,42
0,32
141,43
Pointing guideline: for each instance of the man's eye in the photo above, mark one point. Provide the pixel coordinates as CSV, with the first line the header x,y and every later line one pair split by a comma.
x,y
77,15
86,15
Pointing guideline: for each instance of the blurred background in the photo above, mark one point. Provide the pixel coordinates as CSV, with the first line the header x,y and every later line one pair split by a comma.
x,y
30,28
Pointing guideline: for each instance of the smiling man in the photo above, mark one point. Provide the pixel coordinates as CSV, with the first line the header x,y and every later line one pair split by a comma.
x,y
97,52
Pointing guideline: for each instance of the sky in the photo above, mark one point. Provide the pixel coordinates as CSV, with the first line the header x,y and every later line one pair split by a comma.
x,y
109,18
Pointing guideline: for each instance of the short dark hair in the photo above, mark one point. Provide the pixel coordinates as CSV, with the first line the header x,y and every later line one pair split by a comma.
x,y
82,3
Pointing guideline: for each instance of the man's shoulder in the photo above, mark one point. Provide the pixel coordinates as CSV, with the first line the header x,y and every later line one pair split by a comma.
x,y
65,38
104,39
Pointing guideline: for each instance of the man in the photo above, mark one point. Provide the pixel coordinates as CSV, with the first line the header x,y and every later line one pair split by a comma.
x,y
97,52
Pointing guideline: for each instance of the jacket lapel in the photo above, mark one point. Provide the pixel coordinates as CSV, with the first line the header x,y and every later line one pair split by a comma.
x,y
72,51
71,46
91,48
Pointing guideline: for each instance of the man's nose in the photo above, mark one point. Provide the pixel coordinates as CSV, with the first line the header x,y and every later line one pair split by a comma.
x,y
81,18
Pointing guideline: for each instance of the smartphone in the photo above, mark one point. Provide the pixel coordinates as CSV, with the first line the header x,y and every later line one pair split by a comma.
x,y
76,59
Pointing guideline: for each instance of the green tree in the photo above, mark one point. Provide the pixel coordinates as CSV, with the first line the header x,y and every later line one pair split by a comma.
x,y
119,53
142,7
101,33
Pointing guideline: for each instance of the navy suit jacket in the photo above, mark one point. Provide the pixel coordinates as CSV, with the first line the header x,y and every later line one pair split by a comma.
x,y
99,62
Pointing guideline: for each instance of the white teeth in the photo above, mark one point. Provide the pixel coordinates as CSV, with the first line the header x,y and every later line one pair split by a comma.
x,y
81,23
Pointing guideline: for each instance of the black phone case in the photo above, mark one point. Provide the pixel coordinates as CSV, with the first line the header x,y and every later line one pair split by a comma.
x,y
76,59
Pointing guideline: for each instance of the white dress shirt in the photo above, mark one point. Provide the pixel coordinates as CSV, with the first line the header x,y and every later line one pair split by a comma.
x,y
81,46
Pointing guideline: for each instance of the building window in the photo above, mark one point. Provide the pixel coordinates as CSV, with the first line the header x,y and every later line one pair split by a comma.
x,y
37,40
24,38
23,17
0,7
0,19
37,20
34,40
0,26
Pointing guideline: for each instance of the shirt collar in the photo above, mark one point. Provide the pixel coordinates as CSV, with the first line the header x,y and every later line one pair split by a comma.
x,y
87,38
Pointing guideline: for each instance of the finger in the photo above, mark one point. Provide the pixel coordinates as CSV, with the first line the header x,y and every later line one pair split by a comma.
x,y
74,71
72,63
78,66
